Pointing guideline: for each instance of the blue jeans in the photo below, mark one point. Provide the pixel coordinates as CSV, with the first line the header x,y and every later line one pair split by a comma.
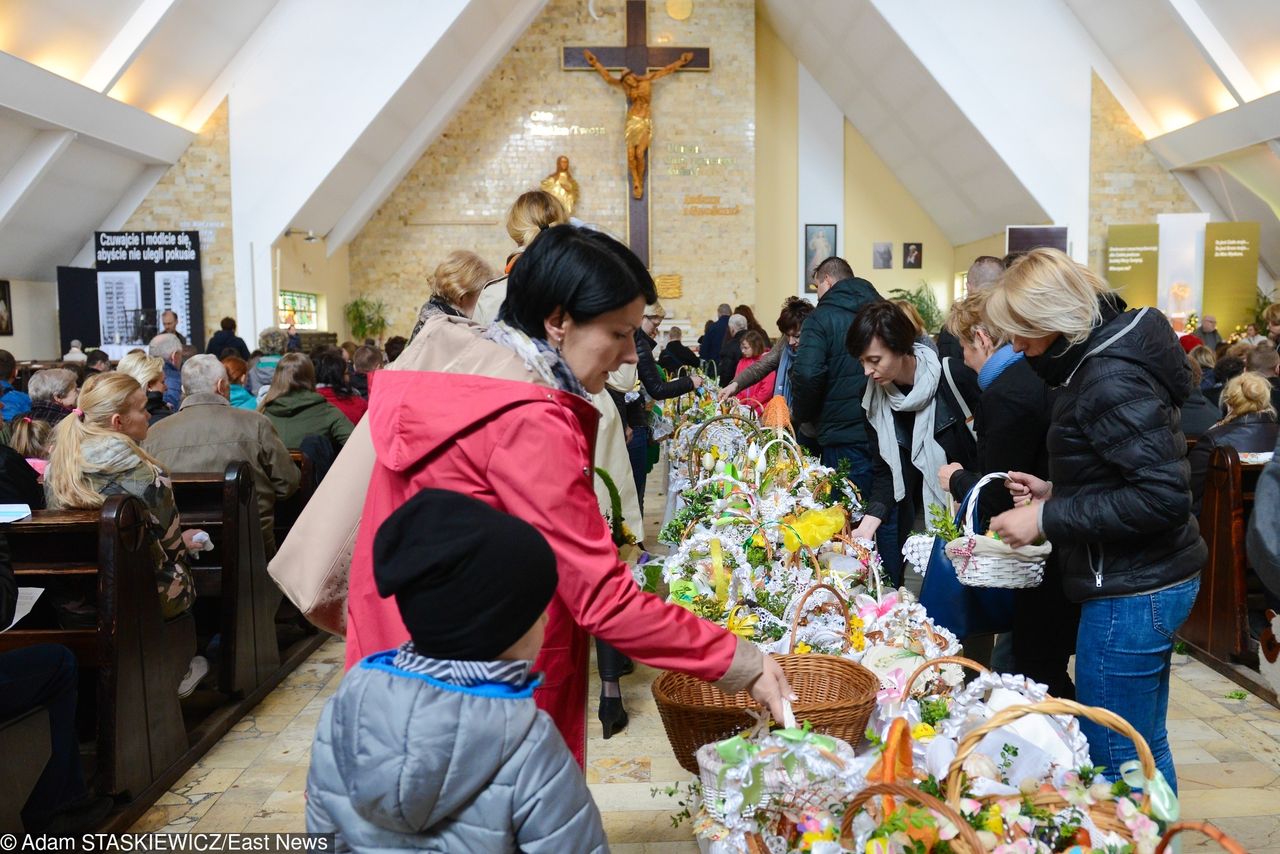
x,y
638,451
860,473
1123,651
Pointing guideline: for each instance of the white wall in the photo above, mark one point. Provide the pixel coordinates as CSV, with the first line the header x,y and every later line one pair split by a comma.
x,y
35,321
820,182
308,83
1034,55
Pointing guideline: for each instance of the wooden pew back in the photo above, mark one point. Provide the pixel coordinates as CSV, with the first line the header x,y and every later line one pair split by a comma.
x,y
224,505
140,731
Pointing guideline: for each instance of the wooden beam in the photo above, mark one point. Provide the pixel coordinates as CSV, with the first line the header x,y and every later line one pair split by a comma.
x,y
1217,51
115,60
1253,123
32,166
43,99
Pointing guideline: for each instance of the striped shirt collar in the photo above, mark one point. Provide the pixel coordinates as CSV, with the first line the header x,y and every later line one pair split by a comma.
x,y
464,673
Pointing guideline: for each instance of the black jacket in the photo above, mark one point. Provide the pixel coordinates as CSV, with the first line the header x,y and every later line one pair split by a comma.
x,y
1264,526
8,585
730,355
1252,433
676,356
826,382
1012,420
712,340
156,407
1198,414
647,370
19,483
222,339
1120,516
949,346
951,433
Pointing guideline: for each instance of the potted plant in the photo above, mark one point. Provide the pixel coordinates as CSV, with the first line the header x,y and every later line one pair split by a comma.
x,y
366,317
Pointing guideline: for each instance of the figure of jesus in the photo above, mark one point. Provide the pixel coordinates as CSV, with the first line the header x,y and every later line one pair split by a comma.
x,y
639,94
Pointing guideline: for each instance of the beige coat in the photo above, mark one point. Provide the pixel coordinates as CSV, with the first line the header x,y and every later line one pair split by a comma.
x,y
207,433
611,453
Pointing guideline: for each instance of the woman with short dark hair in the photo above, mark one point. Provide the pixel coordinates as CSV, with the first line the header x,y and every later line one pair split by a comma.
x,y
792,317
503,414
917,421
334,385
226,339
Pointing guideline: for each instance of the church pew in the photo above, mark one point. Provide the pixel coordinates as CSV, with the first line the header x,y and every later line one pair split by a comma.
x,y
138,718
1217,630
235,572
288,510
25,746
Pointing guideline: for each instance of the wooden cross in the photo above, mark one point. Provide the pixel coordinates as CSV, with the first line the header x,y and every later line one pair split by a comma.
x,y
639,58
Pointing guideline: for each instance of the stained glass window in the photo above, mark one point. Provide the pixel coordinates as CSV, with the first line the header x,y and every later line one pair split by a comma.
x,y
298,308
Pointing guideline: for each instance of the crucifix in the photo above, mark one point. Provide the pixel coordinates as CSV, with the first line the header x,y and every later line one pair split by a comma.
x,y
640,64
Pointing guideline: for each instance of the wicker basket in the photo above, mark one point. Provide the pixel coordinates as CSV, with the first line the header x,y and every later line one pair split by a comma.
x,y
987,562
1103,814
836,697
1228,844
966,843
804,599
938,662
749,431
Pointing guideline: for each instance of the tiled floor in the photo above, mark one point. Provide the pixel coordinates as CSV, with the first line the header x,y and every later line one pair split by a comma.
x,y
1227,752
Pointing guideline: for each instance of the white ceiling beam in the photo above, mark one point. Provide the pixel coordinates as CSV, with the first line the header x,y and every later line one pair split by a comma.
x,y
43,99
33,165
115,60
124,209
1253,123
1217,51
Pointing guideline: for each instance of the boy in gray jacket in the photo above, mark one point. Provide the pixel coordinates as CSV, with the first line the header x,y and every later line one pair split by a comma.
x,y
437,745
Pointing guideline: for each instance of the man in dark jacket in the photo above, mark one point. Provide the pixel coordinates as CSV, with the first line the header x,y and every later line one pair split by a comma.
x,y
675,355
226,338
713,336
731,351
827,383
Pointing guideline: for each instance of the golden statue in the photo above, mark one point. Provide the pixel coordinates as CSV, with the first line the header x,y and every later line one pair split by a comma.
x,y
562,185
639,117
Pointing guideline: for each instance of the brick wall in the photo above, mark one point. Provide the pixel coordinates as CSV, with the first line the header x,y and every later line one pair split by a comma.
x,y
529,111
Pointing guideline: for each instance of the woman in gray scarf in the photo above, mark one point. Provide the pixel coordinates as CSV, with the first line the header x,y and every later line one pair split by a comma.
x,y
919,418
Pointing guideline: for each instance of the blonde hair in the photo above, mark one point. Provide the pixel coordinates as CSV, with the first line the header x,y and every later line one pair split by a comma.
x,y
1043,293
532,212
1271,314
966,318
102,396
295,372
460,276
1204,357
31,437
656,310
144,369
1248,392
912,314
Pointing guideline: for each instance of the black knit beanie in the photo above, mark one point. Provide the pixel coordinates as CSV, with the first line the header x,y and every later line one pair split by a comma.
x,y
469,580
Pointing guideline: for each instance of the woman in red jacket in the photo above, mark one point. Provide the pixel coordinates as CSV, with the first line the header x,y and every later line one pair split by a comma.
x,y
451,418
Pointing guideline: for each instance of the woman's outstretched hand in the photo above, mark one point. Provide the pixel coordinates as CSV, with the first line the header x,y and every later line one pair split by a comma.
x,y
1018,527
771,688
728,391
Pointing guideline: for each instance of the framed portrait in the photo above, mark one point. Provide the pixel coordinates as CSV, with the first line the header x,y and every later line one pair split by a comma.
x,y
819,245
912,256
882,256
6,309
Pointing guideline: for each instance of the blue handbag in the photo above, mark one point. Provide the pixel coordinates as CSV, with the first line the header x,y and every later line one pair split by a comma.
x,y
966,611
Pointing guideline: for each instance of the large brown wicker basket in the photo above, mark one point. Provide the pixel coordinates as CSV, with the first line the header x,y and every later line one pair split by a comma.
x,y
836,697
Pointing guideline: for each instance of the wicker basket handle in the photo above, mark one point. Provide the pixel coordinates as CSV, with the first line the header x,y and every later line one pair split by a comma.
x,y
1228,844
788,446
971,500
695,457
1051,706
795,619
938,662
968,836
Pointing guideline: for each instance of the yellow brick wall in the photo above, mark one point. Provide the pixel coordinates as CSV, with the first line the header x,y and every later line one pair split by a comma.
x,y
1127,184
458,194
195,195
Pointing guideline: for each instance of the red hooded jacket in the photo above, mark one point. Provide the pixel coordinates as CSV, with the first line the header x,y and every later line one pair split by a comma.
x,y
525,449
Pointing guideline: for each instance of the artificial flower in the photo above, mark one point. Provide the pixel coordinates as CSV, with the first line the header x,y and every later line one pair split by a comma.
x,y
980,765
923,732
742,622
994,822
803,648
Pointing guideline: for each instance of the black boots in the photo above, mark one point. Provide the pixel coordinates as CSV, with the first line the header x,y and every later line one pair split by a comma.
x,y
612,666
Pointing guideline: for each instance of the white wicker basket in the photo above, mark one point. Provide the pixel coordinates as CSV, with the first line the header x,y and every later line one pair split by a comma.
x,y
982,561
